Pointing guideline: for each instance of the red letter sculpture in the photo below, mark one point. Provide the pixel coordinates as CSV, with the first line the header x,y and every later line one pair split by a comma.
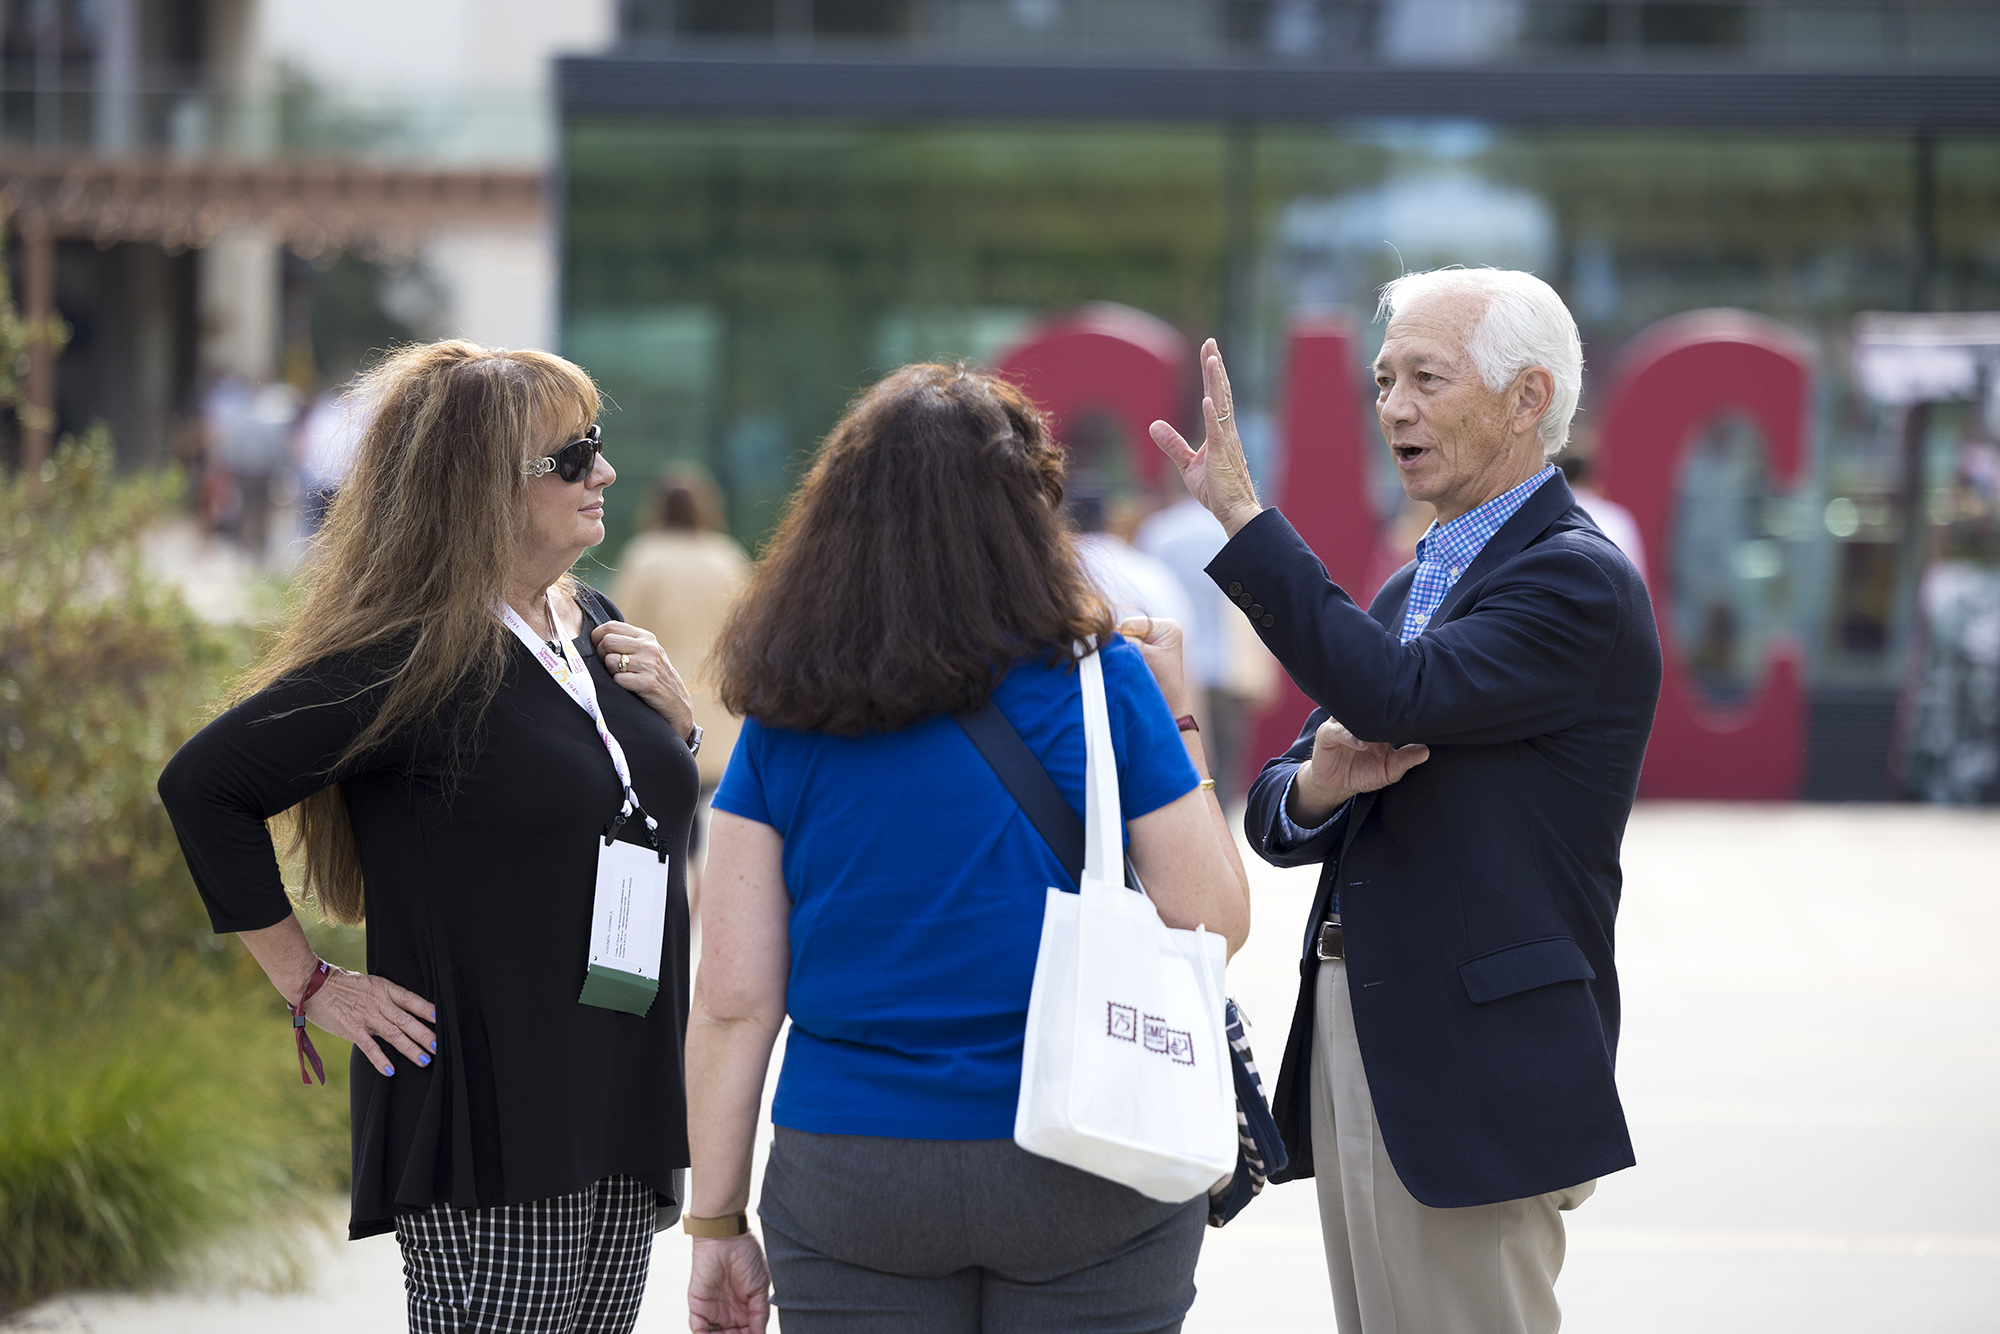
x,y
1324,490
1677,378
1106,358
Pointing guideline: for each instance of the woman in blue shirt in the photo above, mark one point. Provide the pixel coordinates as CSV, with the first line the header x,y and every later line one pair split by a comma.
x,y
871,877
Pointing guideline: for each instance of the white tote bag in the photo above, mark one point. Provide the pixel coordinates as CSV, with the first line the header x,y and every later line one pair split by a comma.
x,y
1126,1070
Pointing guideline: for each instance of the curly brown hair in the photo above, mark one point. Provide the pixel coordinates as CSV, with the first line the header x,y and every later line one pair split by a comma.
x,y
924,552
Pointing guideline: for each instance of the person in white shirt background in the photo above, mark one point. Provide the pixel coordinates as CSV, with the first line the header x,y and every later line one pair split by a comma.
x,y
1613,519
329,432
1134,583
1233,672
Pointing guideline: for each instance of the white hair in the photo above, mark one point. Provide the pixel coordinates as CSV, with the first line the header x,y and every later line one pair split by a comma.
x,y
1524,324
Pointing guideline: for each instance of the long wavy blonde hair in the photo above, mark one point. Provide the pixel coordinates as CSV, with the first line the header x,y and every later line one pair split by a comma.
x,y
415,553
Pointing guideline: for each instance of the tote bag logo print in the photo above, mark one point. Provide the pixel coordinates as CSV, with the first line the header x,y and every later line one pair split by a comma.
x,y
1123,1022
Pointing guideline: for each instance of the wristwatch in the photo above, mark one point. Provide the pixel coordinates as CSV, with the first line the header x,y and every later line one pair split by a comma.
x,y
694,740
728,1225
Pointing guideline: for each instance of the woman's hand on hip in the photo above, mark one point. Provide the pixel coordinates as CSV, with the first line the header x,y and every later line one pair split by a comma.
x,y
636,661
361,1007
1159,644
728,1286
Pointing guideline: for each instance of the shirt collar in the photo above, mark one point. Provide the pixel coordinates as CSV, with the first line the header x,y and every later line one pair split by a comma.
x,y
1461,540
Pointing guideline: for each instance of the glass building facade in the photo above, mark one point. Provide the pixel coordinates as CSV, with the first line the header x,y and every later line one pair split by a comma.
x,y
734,279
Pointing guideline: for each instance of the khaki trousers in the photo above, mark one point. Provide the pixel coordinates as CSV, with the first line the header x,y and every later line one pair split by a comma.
x,y
1400,1267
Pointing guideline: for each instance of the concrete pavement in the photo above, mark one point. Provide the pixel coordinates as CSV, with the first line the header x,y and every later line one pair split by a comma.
x,y
1810,1062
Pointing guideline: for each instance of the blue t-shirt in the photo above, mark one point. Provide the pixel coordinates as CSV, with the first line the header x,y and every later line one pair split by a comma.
x,y
917,888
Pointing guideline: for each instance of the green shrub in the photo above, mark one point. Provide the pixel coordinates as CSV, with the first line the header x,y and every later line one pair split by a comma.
x,y
149,1096
103,673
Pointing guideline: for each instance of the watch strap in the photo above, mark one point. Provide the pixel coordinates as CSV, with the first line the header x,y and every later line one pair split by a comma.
x,y
728,1225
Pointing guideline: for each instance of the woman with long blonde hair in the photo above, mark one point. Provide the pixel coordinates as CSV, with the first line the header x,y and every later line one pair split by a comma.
x,y
476,753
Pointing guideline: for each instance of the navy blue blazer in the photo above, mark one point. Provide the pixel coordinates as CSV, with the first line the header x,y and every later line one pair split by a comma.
x,y
1478,895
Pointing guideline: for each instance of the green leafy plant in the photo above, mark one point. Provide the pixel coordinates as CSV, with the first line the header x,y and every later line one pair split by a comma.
x,y
103,673
149,1099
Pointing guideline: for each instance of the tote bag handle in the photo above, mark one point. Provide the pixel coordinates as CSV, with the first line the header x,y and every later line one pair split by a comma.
x,y
1103,823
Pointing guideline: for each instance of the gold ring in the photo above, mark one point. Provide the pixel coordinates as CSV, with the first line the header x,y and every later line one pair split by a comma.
x,y
624,663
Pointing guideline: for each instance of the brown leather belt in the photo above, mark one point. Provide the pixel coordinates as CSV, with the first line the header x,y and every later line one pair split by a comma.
x,y
1331,945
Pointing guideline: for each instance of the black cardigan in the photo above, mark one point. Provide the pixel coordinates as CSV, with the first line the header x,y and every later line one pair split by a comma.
x,y
480,872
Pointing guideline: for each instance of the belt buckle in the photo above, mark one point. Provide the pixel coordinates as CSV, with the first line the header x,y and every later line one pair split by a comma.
x,y
1332,945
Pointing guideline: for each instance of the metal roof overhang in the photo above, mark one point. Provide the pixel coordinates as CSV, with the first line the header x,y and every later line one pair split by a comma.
x,y
776,84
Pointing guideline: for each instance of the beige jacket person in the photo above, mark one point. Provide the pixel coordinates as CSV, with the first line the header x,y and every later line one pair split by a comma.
x,y
679,584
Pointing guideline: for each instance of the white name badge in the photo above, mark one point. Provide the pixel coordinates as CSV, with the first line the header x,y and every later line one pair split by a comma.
x,y
627,926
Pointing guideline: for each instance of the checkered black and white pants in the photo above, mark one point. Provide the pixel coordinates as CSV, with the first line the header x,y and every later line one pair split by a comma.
x,y
571,1264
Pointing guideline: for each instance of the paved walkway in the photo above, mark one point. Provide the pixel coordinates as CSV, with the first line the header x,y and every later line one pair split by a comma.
x,y
1811,1063
221,581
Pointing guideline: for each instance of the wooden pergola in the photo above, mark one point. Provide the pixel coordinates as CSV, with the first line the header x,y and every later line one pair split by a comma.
x,y
313,207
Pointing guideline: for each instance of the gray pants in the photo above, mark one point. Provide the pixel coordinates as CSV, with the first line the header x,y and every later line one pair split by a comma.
x,y
888,1235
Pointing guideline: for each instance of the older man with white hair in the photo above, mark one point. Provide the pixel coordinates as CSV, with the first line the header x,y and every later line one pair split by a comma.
x,y
1464,784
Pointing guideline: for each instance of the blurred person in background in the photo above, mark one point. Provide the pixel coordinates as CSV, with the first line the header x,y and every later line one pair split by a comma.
x,y
249,428
1132,582
226,398
678,578
1464,789
458,729
1579,468
1951,703
1228,665
872,877
329,432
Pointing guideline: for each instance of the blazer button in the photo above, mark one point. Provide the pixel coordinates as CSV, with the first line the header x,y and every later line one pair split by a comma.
x,y
1242,599
1235,590
1255,612
1268,622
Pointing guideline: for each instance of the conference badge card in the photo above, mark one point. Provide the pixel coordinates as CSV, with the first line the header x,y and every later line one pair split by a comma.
x,y
627,928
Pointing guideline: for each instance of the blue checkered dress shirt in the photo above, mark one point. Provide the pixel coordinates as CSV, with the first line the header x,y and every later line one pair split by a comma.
x,y
1444,553
1445,550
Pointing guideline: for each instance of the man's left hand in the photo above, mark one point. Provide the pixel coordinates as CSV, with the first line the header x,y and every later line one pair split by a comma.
x,y
1342,765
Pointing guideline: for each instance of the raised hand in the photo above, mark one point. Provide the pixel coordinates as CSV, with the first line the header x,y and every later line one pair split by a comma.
x,y
728,1286
1217,474
1342,765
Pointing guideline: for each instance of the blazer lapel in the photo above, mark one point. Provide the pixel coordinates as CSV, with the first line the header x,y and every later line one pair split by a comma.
x,y
1392,600
1551,500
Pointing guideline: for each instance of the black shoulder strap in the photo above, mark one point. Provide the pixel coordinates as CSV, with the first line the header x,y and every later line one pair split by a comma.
x,y
592,603
1024,776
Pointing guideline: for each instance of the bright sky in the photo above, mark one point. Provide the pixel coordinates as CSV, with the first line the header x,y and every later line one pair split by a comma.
x,y
412,46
